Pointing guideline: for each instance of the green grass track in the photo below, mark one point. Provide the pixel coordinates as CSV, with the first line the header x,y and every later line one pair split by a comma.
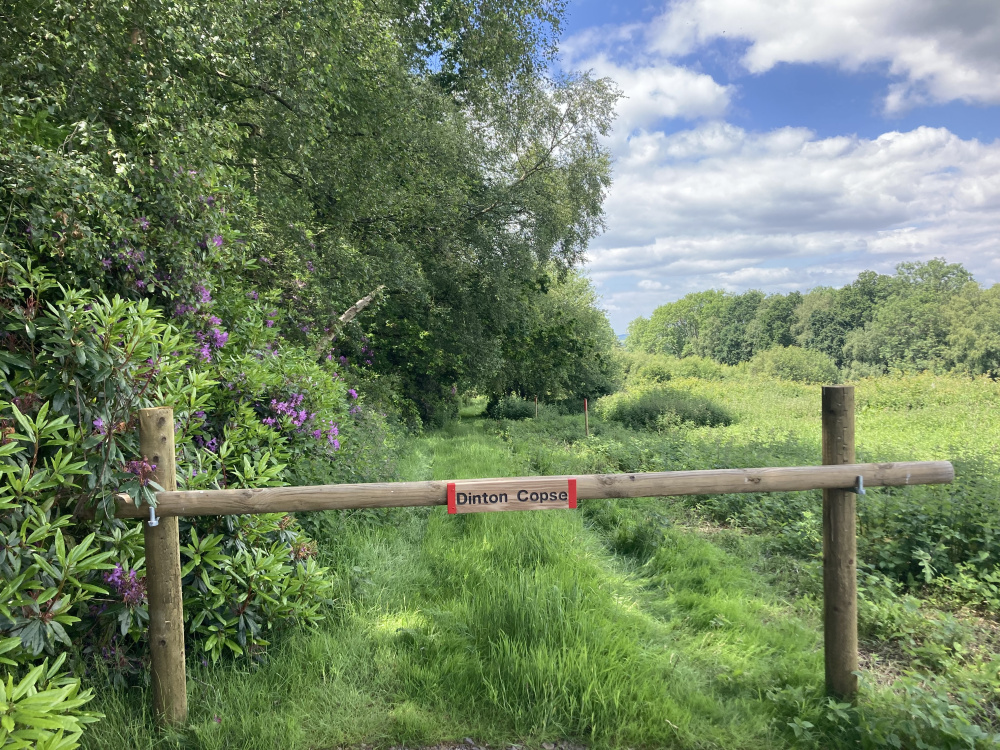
x,y
612,626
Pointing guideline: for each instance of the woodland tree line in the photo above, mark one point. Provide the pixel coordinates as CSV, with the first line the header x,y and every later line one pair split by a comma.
x,y
303,155
927,316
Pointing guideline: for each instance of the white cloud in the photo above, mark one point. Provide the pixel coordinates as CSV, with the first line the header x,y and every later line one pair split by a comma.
x,y
720,207
660,91
715,206
941,50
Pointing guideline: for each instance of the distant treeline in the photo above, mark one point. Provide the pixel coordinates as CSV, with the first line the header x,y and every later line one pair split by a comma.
x,y
927,316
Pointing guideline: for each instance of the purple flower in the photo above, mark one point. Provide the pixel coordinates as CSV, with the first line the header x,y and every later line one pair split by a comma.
x,y
106,262
140,284
217,239
353,393
99,425
143,222
203,292
212,445
336,444
213,320
219,338
129,586
318,434
309,265
270,323
205,352
252,295
142,469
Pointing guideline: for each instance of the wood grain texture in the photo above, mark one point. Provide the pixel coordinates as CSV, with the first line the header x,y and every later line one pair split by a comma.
x,y
593,486
840,572
163,575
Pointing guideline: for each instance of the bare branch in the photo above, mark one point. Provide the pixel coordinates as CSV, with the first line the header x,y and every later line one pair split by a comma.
x,y
349,314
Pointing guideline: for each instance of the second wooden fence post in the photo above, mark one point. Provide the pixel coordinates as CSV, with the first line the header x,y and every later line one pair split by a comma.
x,y
840,571
163,575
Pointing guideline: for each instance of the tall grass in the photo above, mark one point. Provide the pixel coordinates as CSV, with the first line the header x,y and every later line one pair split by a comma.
x,y
506,627
621,625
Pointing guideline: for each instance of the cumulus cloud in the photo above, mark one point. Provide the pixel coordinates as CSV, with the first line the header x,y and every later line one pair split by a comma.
x,y
939,51
663,91
654,88
720,207
715,206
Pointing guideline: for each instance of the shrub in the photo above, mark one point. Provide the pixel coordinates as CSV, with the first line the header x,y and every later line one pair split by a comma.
x,y
510,407
698,367
654,369
794,363
42,708
74,370
659,407
658,368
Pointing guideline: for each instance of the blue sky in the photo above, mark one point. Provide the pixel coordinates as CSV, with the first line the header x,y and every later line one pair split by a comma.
x,y
785,144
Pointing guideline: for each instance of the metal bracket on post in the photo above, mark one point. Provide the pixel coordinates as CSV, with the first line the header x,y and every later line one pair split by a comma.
x,y
859,485
153,520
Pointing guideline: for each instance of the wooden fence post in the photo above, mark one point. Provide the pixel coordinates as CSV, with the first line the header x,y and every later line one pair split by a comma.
x,y
163,575
586,418
840,573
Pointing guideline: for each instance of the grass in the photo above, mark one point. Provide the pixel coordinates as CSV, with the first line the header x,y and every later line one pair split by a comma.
x,y
524,627
693,623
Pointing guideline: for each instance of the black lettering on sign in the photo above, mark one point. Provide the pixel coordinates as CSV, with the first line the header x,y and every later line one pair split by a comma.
x,y
532,493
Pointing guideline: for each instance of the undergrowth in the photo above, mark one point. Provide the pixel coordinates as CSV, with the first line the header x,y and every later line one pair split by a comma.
x,y
691,623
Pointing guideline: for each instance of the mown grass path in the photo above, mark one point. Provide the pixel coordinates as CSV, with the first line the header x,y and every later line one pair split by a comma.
x,y
613,625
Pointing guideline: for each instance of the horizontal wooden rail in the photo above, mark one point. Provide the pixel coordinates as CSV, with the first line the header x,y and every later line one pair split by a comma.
x,y
592,486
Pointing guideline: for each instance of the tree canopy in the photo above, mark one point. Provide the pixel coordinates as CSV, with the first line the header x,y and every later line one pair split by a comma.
x,y
315,151
928,315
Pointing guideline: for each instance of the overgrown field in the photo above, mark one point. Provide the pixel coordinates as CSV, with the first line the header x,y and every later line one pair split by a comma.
x,y
689,623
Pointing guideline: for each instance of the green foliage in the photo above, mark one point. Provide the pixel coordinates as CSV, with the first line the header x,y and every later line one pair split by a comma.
x,y
562,347
928,316
660,407
794,363
43,708
75,369
642,368
510,407
193,195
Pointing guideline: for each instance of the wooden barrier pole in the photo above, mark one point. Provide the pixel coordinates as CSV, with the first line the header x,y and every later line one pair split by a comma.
x,y
840,573
163,575
589,487
586,418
